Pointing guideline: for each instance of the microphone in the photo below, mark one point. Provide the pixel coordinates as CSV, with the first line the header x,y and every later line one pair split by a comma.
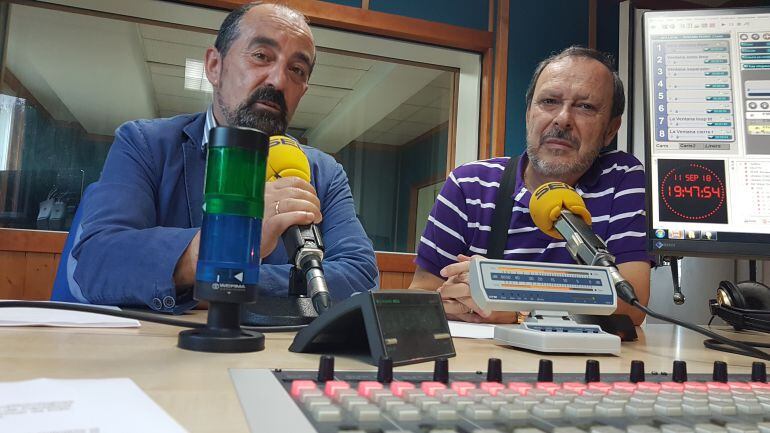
x,y
560,212
303,244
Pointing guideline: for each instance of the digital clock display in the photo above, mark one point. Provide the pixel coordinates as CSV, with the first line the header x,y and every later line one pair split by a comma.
x,y
692,191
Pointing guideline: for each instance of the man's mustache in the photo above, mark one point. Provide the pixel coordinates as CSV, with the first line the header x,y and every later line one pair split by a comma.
x,y
560,134
267,94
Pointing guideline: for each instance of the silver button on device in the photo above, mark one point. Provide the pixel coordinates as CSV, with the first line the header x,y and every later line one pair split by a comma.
x,y
327,413
366,412
513,411
636,428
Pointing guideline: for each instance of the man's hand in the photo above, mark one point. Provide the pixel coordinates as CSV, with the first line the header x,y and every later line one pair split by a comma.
x,y
289,201
456,294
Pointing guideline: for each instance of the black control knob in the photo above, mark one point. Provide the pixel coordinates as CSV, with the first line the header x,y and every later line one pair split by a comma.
x,y
385,370
441,370
637,372
545,371
592,371
494,370
759,372
326,368
720,372
679,374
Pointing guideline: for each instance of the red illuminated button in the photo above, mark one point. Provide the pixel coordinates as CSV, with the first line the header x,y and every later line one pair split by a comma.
x,y
492,387
462,388
398,388
520,387
430,388
578,387
297,386
365,388
332,386
648,386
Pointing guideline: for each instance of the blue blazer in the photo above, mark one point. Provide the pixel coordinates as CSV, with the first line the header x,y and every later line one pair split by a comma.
x,y
147,206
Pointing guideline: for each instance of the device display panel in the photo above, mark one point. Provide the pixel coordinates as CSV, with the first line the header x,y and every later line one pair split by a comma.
x,y
546,283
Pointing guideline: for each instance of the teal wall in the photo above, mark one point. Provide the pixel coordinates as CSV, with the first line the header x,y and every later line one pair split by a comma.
x,y
465,13
382,179
420,163
353,3
373,177
537,29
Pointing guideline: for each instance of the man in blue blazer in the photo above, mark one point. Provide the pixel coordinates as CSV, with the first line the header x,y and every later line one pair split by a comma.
x,y
137,243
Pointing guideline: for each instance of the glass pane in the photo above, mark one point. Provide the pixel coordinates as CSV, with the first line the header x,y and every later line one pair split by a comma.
x,y
388,124
72,79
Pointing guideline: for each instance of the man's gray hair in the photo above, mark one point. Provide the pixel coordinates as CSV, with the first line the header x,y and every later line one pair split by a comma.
x,y
618,94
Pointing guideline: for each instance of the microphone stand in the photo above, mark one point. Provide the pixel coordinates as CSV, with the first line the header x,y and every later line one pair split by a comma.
x,y
304,248
673,261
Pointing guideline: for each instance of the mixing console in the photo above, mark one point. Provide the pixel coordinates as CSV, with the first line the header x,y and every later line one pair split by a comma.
x,y
329,401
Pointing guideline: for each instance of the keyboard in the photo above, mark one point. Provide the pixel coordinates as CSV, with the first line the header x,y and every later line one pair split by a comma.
x,y
478,402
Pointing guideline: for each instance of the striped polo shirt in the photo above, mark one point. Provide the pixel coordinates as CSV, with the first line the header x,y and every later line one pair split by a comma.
x,y
459,223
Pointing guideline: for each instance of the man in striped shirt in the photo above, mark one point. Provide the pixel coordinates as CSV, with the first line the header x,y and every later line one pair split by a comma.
x,y
574,105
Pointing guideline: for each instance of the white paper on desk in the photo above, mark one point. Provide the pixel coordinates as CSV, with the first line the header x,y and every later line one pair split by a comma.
x,y
471,330
20,316
88,406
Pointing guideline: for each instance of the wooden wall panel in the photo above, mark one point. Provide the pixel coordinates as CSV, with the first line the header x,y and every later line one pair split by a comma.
x,y
29,260
40,272
38,241
395,280
391,280
12,274
408,279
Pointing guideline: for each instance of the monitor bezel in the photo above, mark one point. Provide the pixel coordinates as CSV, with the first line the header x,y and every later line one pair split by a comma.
x,y
737,250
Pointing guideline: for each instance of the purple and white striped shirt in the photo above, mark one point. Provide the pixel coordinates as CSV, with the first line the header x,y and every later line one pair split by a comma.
x,y
459,223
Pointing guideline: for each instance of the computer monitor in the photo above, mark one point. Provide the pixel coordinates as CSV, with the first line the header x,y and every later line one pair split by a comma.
x,y
707,130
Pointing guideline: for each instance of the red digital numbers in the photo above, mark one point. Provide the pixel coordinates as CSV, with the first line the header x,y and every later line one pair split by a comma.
x,y
693,191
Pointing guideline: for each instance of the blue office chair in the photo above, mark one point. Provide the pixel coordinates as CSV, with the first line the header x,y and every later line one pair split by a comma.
x,y
61,288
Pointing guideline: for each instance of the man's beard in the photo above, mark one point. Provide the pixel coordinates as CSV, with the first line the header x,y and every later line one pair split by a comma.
x,y
560,169
248,116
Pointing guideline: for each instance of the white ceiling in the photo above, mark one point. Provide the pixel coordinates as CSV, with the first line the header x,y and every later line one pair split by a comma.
x,y
102,72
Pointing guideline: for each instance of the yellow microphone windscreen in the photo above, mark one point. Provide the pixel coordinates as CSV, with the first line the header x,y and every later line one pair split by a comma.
x,y
549,200
286,159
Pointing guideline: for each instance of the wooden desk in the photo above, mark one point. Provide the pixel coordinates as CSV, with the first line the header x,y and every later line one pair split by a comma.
x,y
196,390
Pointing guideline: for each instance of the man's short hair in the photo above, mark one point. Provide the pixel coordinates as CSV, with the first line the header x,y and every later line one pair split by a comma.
x,y
230,28
618,95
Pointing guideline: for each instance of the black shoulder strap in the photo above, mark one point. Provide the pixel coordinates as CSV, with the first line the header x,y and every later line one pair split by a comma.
x,y
501,217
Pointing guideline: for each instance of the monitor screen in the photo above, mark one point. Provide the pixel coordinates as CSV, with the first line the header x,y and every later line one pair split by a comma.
x,y
707,130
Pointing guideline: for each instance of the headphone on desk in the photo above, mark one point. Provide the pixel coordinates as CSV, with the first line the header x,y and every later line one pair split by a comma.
x,y
745,305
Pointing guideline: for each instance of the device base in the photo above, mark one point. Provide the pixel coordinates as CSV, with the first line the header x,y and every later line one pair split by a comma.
x,y
278,311
231,341
569,339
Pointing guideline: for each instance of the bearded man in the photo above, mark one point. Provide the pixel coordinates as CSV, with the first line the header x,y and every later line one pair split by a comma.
x,y
574,105
138,240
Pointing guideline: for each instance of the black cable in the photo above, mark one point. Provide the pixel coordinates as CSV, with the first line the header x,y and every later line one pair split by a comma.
x,y
741,347
137,315
717,345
